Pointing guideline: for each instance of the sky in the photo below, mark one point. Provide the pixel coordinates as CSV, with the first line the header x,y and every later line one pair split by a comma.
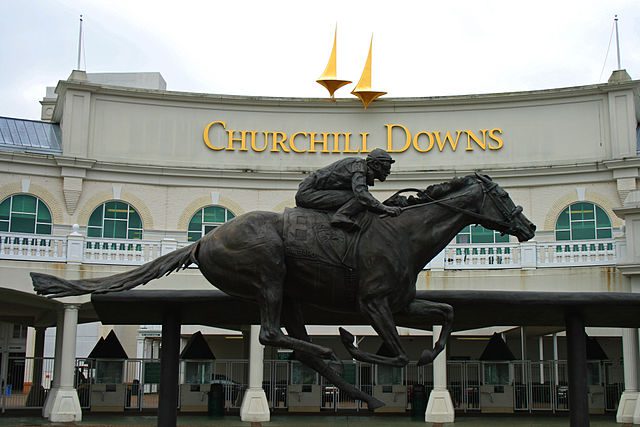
x,y
279,48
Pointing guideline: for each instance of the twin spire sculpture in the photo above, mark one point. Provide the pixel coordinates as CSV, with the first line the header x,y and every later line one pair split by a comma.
x,y
362,90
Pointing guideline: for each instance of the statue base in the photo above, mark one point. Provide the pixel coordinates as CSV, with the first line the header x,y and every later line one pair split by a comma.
x,y
439,408
255,407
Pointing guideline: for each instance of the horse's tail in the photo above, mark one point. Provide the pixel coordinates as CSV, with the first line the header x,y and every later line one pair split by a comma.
x,y
51,286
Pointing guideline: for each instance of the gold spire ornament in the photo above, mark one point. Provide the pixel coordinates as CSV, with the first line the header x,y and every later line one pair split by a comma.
x,y
363,88
328,78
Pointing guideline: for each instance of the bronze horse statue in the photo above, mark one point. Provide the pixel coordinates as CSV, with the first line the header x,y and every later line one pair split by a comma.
x,y
246,258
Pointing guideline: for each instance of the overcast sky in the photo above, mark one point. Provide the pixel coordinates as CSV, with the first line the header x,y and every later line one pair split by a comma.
x,y
279,48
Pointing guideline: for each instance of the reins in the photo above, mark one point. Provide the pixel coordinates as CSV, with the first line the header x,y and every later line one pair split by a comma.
x,y
480,217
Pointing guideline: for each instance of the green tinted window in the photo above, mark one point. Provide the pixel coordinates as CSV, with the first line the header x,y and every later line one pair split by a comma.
x,y
115,220
206,219
23,213
480,234
583,221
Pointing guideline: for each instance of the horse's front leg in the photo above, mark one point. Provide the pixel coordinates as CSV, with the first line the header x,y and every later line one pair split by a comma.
x,y
381,318
422,308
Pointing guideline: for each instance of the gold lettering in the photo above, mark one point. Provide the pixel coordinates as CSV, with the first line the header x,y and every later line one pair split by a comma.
x,y
347,140
292,142
496,138
242,140
336,142
447,138
279,138
313,141
416,142
363,138
207,141
481,143
254,146
407,141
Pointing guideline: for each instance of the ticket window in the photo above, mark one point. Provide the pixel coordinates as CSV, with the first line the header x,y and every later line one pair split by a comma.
x,y
197,372
388,375
497,373
109,371
302,374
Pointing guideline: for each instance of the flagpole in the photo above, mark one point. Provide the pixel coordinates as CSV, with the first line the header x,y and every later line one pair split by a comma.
x,y
79,43
617,42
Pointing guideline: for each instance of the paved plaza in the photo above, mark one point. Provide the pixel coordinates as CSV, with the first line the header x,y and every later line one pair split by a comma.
x,y
311,421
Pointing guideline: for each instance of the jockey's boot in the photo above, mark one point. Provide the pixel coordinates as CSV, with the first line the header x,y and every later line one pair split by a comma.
x,y
340,220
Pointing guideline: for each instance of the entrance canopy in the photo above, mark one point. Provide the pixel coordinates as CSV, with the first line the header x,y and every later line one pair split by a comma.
x,y
473,309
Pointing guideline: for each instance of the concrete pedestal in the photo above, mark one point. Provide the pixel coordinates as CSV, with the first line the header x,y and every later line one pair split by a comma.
x,y
255,407
627,407
440,407
65,406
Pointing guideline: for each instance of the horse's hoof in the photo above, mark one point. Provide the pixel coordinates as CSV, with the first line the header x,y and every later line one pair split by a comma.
x,y
426,358
374,403
347,337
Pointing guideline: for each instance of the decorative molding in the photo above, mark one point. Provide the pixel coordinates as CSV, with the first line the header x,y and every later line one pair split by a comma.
x,y
105,196
26,182
72,189
117,191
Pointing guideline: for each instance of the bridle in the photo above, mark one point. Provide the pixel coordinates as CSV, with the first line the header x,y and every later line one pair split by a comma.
x,y
488,190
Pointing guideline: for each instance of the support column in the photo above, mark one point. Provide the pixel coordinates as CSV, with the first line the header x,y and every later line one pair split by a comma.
x,y
36,392
440,406
169,368
57,360
66,405
255,408
627,405
577,361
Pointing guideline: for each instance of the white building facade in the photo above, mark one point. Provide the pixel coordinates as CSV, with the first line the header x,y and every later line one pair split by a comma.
x,y
120,171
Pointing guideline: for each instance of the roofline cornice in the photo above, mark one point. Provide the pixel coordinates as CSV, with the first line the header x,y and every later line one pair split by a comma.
x,y
383,103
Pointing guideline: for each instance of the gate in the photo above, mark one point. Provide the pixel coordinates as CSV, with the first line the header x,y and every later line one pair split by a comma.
x,y
233,375
521,383
541,386
276,383
463,383
27,381
613,384
358,374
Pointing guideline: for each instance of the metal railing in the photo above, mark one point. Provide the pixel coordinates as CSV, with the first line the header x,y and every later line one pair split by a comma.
x,y
537,385
77,248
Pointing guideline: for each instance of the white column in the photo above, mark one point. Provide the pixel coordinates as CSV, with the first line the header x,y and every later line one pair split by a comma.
x,y
57,360
440,406
66,406
628,401
255,408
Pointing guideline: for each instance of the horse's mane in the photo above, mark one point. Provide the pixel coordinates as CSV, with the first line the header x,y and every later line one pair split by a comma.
x,y
432,192
437,191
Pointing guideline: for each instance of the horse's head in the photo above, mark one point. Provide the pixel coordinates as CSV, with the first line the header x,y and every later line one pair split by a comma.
x,y
498,212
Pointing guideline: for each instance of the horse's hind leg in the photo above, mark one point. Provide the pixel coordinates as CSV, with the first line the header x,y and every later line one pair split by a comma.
x,y
293,322
270,301
382,321
422,308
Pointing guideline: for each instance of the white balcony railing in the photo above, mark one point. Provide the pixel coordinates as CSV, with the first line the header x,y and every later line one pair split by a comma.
x,y
29,247
76,248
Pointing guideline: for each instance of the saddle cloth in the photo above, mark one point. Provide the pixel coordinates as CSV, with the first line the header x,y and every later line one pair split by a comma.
x,y
309,235
310,240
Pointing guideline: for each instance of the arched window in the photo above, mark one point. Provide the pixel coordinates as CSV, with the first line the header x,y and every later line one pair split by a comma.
x,y
583,221
480,234
23,213
115,220
206,219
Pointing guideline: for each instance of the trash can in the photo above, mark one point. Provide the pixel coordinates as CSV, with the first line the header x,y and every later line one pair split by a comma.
x,y
215,407
418,402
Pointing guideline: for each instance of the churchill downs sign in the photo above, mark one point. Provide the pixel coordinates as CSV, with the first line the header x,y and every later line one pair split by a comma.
x,y
218,137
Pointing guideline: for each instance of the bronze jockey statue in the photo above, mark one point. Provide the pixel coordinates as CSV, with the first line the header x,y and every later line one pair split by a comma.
x,y
343,187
